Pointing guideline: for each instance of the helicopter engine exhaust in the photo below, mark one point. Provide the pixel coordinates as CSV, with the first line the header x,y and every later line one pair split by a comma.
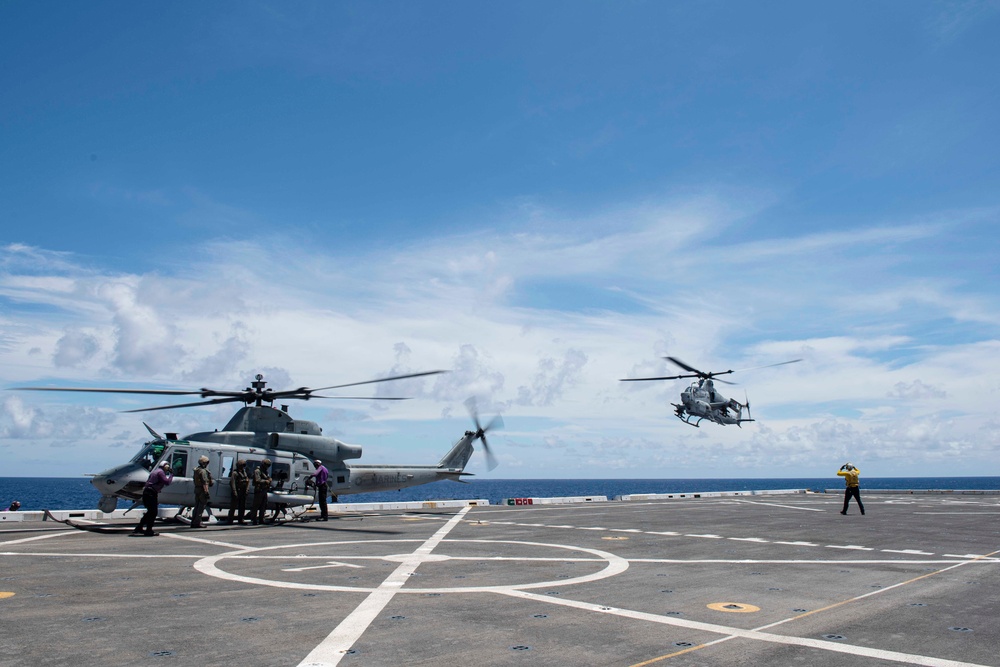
x,y
316,446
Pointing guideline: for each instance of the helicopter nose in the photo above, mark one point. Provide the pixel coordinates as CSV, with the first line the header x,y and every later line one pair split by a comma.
x,y
128,479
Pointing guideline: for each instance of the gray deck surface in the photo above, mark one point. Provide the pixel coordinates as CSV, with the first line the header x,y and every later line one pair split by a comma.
x,y
778,580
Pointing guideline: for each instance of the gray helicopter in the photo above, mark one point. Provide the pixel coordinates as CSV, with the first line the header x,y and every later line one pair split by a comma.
x,y
701,400
259,431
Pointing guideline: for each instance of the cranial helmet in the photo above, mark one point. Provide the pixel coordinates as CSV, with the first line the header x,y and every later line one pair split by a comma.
x,y
266,462
202,459
241,463
165,464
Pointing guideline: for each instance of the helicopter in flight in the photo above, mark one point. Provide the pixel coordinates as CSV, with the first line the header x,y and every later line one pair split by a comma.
x,y
701,400
257,432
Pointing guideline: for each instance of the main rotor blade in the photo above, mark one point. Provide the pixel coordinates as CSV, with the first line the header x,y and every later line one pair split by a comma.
x,y
188,405
394,377
366,398
689,369
96,390
783,363
666,377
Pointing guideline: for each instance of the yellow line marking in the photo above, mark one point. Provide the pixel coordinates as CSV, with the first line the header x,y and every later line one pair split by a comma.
x,y
614,538
6,594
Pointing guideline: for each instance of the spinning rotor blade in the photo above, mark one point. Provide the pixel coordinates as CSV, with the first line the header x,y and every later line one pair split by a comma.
x,y
793,361
496,422
168,392
394,377
701,374
259,394
665,377
188,405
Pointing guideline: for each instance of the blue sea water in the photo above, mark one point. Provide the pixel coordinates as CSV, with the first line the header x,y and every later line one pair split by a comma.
x,y
54,493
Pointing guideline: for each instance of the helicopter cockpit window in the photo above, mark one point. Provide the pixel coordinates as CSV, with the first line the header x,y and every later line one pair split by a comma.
x,y
149,455
145,457
178,462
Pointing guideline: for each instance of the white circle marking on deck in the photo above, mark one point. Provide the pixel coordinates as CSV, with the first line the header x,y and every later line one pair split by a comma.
x,y
613,565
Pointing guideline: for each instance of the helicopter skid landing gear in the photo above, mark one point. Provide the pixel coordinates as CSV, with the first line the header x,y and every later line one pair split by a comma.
x,y
687,420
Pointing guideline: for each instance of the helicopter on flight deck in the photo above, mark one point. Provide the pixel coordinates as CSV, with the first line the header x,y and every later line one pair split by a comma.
x,y
701,400
259,431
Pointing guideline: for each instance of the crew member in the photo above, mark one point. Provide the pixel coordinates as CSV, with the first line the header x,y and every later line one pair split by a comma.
x,y
322,488
202,482
850,475
14,506
239,483
158,479
261,485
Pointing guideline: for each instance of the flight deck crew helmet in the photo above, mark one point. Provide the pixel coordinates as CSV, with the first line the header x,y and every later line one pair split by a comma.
x,y
318,463
265,463
165,464
202,459
241,463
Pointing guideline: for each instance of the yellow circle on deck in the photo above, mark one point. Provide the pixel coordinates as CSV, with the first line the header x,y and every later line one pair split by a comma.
x,y
6,594
733,607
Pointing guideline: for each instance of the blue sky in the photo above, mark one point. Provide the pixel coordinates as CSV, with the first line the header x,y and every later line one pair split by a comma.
x,y
539,197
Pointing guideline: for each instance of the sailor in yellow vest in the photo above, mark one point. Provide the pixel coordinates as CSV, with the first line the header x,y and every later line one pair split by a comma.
x,y
850,475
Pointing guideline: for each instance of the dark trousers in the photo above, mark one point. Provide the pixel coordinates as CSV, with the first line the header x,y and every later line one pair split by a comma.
x,y
150,500
200,505
854,491
238,503
323,490
259,505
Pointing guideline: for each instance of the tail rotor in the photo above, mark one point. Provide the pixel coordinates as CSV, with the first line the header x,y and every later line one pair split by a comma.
x,y
481,431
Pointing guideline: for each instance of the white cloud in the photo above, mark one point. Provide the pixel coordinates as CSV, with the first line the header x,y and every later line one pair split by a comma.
x,y
227,310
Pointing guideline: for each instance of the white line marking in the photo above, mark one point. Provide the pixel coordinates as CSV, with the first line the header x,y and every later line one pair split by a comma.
x,y
882,654
39,537
747,539
790,507
799,544
711,537
204,540
913,552
331,563
665,532
855,547
965,556
332,649
804,561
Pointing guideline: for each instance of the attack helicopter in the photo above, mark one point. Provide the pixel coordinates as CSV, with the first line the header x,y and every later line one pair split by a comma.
x,y
258,431
701,400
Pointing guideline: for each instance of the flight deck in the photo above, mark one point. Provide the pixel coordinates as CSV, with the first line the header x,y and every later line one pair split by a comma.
x,y
781,579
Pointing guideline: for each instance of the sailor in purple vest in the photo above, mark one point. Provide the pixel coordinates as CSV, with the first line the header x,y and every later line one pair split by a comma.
x,y
158,479
322,488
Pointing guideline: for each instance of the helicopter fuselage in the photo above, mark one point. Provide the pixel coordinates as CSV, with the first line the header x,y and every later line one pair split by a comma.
x,y
702,401
292,457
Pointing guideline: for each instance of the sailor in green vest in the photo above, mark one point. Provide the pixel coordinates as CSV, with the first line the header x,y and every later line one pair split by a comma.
x,y
239,484
261,486
202,482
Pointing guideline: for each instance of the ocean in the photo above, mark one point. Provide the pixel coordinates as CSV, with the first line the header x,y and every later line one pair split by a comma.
x,y
70,493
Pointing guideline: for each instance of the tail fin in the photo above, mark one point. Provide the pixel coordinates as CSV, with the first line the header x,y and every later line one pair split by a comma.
x,y
459,455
